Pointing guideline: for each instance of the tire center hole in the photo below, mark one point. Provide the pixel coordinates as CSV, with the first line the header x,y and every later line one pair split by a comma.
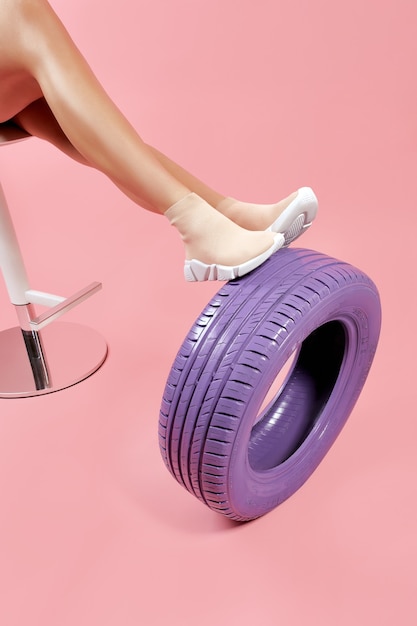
x,y
297,397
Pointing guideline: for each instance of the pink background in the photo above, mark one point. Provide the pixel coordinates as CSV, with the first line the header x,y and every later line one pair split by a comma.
x,y
257,98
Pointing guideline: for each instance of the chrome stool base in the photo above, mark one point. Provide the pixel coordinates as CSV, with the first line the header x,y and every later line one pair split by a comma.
x,y
60,355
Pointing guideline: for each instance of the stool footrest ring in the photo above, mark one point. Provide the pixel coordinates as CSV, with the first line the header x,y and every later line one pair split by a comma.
x,y
63,304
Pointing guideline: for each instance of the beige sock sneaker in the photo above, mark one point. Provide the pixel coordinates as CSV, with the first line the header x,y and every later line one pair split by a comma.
x,y
215,247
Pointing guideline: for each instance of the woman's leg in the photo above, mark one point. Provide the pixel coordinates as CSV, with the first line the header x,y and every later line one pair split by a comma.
x,y
38,120
253,216
104,138
92,123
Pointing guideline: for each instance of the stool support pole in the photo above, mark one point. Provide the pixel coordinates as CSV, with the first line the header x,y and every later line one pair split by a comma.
x,y
11,260
34,348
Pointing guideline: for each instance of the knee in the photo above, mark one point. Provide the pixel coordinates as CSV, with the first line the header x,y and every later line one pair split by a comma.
x,y
18,9
25,26
25,7
17,16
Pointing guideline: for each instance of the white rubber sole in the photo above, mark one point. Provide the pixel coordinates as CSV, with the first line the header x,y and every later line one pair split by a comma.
x,y
197,271
297,217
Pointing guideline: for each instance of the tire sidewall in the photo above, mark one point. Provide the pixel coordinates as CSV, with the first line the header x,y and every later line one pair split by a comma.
x,y
254,493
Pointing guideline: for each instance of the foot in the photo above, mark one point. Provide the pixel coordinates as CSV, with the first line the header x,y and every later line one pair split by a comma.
x,y
215,247
290,217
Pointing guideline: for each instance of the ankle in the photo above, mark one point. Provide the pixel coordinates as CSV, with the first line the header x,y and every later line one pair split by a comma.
x,y
225,206
189,216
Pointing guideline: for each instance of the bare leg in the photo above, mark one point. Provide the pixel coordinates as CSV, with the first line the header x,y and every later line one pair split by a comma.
x,y
37,43
86,115
248,215
192,182
39,121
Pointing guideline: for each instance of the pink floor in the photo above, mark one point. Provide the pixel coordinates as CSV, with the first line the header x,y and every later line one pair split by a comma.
x,y
257,98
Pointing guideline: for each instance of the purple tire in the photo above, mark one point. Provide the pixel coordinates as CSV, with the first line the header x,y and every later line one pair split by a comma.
x,y
242,461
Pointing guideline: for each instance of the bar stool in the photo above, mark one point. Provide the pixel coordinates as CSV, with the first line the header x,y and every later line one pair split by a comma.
x,y
38,357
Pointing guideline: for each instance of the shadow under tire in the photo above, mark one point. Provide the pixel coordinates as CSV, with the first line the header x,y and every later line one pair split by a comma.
x,y
240,458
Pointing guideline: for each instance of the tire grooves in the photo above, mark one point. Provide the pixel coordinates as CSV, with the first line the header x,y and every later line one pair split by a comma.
x,y
198,475
245,348
219,322
221,311
211,321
